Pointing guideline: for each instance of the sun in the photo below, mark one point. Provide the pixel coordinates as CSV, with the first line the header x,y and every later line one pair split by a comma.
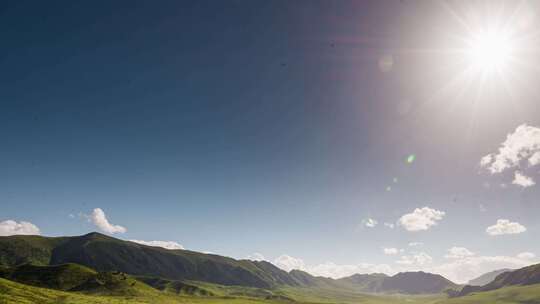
x,y
489,50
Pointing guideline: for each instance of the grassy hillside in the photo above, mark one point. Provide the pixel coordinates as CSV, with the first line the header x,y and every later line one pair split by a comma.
x,y
508,295
12,292
21,249
105,253
61,277
73,277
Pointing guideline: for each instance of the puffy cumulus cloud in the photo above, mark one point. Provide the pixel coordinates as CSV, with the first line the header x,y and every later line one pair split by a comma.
x,y
458,253
330,269
522,180
288,263
11,227
415,259
504,226
526,256
369,222
336,271
520,150
421,219
99,219
391,251
256,257
163,244
522,144
467,268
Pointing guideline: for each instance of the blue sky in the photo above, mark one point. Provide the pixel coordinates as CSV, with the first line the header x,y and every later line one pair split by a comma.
x,y
242,127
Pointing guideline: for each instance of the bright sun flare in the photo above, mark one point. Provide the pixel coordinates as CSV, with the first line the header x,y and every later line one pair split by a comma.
x,y
489,50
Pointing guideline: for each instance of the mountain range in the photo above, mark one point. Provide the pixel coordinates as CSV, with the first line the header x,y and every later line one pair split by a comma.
x,y
102,253
487,277
529,275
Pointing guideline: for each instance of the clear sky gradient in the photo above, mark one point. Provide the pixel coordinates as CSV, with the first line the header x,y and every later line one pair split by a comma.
x,y
271,127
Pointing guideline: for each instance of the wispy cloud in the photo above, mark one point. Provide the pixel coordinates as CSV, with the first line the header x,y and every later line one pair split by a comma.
x,y
256,257
526,255
458,253
163,244
391,251
415,259
369,222
389,225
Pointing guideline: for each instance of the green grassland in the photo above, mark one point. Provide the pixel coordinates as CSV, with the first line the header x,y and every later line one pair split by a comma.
x,y
508,295
13,292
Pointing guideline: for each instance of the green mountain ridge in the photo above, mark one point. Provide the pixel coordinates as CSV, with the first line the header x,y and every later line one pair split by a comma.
x,y
105,254
529,275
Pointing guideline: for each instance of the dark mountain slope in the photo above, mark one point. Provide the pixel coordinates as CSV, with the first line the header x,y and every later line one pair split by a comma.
x,y
403,282
365,282
524,276
21,249
104,253
417,283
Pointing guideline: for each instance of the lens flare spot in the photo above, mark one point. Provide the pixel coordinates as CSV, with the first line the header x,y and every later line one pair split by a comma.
x,y
411,158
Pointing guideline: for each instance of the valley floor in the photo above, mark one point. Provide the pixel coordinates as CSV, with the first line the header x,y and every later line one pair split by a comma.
x,y
12,292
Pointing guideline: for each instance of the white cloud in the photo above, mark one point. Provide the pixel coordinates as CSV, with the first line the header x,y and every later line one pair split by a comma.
x,y
370,223
522,180
392,251
389,225
99,219
421,219
523,144
526,256
458,253
464,269
415,259
256,257
330,269
288,263
534,159
504,226
10,227
163,244
415,244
